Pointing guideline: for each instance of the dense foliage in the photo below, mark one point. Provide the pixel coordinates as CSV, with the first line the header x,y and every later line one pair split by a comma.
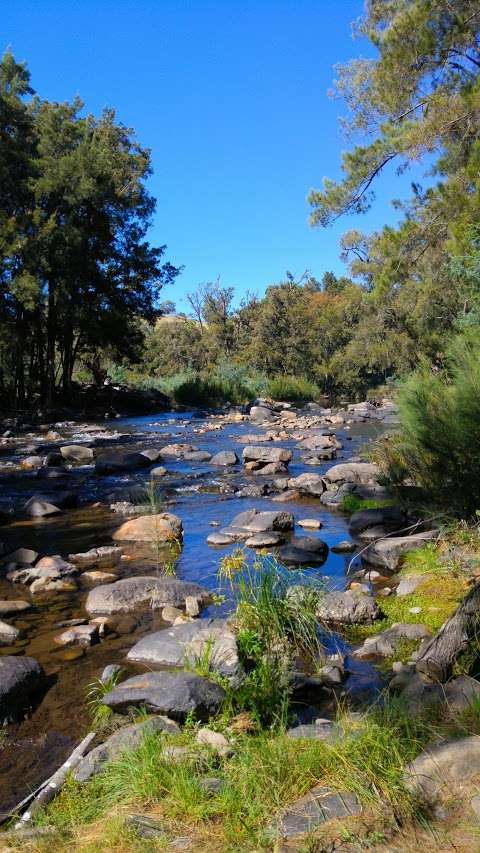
x,y
76,270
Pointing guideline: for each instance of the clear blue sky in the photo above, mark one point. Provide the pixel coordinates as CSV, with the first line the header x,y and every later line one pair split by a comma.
x,y
231,96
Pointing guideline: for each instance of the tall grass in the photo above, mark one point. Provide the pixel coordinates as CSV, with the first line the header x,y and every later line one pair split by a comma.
x,y
275,624
295,389
438,443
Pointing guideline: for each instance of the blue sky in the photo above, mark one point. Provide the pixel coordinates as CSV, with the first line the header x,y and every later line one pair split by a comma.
x,y
232,98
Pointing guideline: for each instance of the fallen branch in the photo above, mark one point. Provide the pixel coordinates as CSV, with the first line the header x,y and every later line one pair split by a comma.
x,y
440,653
53,785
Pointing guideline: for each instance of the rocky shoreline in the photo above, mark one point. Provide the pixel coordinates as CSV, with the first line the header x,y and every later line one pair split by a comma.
x,y
121,593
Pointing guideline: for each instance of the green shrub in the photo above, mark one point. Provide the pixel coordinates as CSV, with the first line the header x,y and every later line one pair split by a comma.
x,y
294,389
438,443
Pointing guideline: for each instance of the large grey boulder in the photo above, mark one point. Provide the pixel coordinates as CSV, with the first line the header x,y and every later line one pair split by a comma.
x,y
250,523
347,608
158,527
320,443
308,484
129,737
266,455
448,763
386,643
224,458
118,463
130,594
304,551
352,472
262,414
19,678
389,517
185,643
79,453
175,694
387,553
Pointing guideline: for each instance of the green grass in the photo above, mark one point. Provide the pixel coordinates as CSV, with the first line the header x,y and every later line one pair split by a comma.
x,y
266,772
294,389
353,503
276,622
100,713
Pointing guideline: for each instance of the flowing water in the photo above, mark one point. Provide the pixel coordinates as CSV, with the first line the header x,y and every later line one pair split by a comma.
x,y
200,495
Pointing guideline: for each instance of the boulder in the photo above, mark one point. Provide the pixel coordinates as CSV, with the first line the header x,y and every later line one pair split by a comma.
x,y
343,547
386,643
175,694
225,458
153,454
8,634
29,462
185,643
97,558
161,527
159,471
387,553
130,594
269,469
13,608
19,678
266,455
78,635
308,484
38,507
450,763
347,608
264,540
261,414
304,551
319,443
250,523
22,556
118,463
79,453
352,472
128,737
310,523
389,517
197,456
178,450
315,808
42,585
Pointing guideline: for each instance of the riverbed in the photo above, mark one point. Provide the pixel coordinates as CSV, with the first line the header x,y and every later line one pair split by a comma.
x,y
201,495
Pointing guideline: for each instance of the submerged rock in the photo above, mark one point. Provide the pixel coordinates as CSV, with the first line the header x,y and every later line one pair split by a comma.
x,y
19,678
77,453
117,463
8,634
225,458
303,551
175,694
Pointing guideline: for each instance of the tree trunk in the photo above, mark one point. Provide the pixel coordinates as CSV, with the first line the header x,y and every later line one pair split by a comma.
x,y
441,652
51,336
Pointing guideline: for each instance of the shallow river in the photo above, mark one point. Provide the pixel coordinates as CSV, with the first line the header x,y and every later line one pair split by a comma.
x,y
32,749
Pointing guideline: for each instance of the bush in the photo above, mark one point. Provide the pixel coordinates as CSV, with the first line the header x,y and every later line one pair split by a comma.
x,y
438,443
295,389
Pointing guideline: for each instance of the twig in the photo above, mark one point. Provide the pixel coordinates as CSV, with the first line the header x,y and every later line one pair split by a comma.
x,y
51,788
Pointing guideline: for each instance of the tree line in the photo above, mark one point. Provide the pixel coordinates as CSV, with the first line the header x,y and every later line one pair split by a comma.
x,y
77,272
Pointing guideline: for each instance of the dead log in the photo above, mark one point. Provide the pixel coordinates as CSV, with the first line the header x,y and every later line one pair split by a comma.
x,y
440,653
53,785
